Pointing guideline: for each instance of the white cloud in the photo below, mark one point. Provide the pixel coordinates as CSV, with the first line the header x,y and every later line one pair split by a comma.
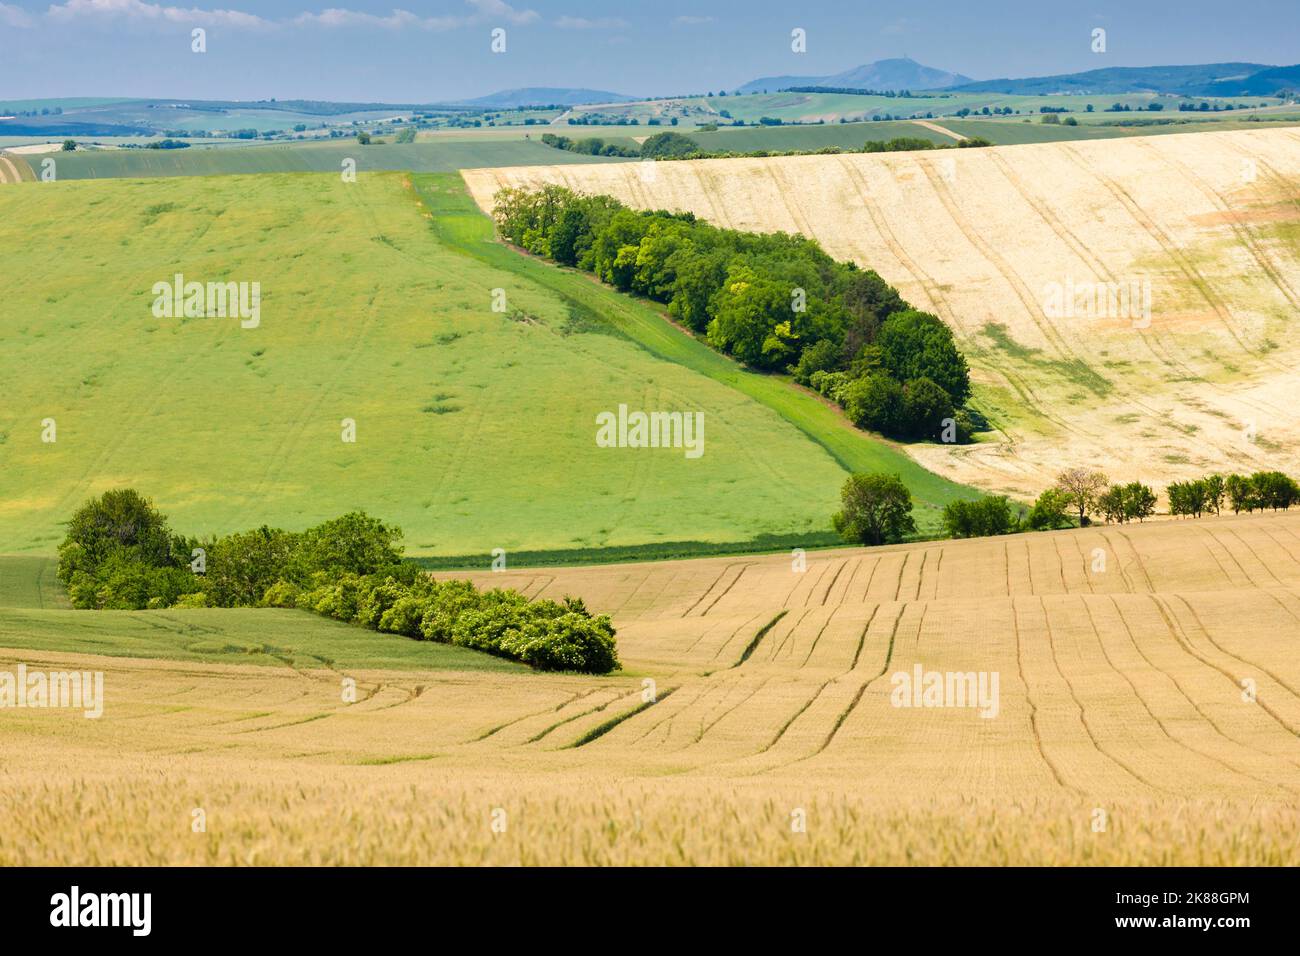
x,y
501,10
152,12
397,20
481,11
12,16
585,23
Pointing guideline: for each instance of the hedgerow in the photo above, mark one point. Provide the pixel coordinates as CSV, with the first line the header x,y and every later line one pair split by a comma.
x,y
776,302
120,554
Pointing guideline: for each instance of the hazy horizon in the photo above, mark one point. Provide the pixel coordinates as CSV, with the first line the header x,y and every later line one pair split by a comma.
x,y
431,52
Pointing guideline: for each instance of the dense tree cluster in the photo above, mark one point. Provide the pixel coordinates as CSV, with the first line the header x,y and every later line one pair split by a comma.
x,y
120,553
776,302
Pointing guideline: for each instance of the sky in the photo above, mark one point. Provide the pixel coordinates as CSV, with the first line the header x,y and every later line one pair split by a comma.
x,y
437,51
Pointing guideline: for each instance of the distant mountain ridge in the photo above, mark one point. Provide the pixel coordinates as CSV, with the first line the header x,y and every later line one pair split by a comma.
x,y
1192,80
1264,83
901,73
545,96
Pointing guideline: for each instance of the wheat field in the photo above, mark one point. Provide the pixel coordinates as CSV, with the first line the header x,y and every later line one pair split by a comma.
x,y
1147,711
1180,255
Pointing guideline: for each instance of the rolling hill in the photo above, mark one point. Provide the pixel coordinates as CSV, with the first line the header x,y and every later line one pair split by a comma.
x,y
1194,80
894,74
1186,246
475,427
753,696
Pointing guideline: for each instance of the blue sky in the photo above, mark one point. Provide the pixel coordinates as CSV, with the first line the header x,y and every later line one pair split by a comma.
x,y
429,51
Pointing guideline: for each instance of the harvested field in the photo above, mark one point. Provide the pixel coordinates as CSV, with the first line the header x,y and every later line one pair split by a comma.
x,y
998,241
1148,679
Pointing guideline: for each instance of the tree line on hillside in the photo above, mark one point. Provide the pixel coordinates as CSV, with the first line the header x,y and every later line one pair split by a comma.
x,y
776,302
673,146
121,554
877,508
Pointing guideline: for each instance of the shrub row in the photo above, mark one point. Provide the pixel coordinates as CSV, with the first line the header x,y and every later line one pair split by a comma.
x,y
876,509
1264,489
119,553
776,302
544,634
674,146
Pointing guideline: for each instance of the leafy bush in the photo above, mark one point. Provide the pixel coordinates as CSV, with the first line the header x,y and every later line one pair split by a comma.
x,y
666,145
242,566
924,408
1050,511
876,509
569,642
992,515
118,522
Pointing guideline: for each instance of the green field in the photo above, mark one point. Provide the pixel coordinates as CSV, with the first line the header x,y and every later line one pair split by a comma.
x,y
35,615
844,135
475,429
460,224
1013,131
831,107
426,156
1005,131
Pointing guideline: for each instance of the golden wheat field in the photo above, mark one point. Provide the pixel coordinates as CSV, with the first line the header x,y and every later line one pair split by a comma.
x,y
1129,305
1146,711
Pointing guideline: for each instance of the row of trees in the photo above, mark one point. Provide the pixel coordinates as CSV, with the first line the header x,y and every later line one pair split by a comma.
x,y
876,508
120,553
1249,493
776,302
668,145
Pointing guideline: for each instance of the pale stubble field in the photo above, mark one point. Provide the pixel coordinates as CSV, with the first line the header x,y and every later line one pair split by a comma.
x,y
1123,732
988,239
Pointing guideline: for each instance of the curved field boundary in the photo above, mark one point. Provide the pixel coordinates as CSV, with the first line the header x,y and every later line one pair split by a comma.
x,y
1199,228
462,226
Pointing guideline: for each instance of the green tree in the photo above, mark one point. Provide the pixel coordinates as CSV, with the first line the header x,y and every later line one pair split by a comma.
x,y
668,145
241,567
917,344
875,509
1139,501
121,522
353,543
1050,511
1111,504
1241,494
875,402
753,320
991,515
1215,491
925,407
1274,490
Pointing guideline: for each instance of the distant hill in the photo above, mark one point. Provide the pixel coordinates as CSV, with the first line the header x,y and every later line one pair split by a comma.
x,y
1264,83
545,96
895,74
57,126
1188,80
